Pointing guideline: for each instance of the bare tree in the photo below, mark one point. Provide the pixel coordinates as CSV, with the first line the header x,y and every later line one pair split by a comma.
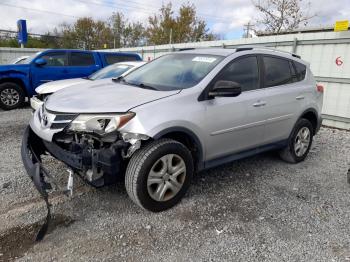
x,y
281,15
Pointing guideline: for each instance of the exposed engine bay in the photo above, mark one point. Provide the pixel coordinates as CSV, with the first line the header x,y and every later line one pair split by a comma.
x,y
98,159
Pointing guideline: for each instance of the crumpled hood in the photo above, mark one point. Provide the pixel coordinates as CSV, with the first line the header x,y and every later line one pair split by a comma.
x,y
54,86
102,96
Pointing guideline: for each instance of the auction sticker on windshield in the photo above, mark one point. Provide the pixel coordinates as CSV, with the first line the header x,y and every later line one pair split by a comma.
x,y
204,59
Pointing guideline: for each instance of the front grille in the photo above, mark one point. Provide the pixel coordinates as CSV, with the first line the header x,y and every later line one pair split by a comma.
x,y
58,125
61,120
54,120
65,117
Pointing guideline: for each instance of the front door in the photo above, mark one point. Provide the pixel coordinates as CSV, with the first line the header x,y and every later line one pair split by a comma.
x,y
54,69
236,124
81,64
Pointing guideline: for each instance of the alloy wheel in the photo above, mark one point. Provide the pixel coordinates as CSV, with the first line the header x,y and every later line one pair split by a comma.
x,y
302,141
166,177
9,97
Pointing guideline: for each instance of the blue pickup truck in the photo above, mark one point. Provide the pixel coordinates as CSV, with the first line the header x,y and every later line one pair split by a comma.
x,y
18,81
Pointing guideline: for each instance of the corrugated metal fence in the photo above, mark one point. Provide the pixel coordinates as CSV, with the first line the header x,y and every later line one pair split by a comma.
x,y
328,54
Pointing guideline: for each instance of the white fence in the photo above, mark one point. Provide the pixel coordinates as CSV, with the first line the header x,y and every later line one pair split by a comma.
x,y
328,54
8,54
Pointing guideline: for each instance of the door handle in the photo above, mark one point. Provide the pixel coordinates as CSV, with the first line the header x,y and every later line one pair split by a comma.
x,y
300,97
259,103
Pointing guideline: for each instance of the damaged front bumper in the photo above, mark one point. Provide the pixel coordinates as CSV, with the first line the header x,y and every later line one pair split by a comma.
x,y
33,148
108,161
31,151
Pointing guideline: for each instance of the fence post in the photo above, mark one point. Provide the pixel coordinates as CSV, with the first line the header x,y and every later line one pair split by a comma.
x,y
295,45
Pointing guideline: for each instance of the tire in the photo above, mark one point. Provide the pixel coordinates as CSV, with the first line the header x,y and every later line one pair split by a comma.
x,y
11,96
151,159
294,152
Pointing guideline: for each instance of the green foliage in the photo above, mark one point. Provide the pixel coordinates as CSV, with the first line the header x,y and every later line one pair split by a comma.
x,y
45,41
118,31
125,33
85,33
185,27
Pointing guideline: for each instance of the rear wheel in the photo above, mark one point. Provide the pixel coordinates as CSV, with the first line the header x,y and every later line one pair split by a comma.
x,y
159,175
299,142
11,96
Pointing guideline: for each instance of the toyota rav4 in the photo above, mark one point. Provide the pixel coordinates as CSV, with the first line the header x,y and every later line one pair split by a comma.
x,y
181,113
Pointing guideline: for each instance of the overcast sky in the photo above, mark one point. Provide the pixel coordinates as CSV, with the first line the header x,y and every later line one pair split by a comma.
x,y
224,17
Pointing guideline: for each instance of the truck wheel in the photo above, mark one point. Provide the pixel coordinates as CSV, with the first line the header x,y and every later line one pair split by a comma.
x,y
299,142
11,96
159,174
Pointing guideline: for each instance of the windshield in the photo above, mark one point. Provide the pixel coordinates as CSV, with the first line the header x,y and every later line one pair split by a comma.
x,y
111,71
28,59
173,71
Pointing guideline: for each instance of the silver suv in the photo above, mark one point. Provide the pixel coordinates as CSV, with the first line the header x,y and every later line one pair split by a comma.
x,y
182,113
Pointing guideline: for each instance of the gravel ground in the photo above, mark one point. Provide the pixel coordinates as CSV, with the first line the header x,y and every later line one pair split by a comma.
x,y
257,209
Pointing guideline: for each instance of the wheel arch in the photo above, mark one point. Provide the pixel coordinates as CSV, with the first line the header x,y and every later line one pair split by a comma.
x,y
189,139
311,115
17,81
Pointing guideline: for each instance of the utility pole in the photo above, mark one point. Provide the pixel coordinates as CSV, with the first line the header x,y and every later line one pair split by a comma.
x,y
247,29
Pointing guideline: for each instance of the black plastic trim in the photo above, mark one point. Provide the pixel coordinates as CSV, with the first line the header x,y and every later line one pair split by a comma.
x,y
200,164
243,154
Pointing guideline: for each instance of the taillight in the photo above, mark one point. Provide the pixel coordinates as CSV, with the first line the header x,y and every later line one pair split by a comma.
x,y
319,88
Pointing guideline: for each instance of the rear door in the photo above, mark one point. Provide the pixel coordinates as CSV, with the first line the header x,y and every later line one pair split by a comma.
x,y
283,97
235,124
82,64
112,58
54,69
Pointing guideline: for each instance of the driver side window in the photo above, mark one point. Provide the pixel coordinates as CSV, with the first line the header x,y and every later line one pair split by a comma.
x,y
55,59
244,71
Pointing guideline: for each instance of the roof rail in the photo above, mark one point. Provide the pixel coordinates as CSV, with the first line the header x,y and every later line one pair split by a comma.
x,y
186,48
251,47
239,49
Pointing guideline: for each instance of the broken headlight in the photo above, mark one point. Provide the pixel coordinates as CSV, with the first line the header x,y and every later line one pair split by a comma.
x,y
100,123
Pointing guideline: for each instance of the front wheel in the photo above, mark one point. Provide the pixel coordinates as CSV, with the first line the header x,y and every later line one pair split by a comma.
x,y
11,96
299,142
159,174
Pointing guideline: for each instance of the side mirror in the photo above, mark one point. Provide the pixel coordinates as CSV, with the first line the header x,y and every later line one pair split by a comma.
x,y
224,88
40,62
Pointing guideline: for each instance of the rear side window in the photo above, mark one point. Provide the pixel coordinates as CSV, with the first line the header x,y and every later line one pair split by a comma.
x,y
55,59
277,71
112,59
301,71
81,59
244,71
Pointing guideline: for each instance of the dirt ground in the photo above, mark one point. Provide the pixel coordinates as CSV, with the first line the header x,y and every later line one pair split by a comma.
x,y
256,209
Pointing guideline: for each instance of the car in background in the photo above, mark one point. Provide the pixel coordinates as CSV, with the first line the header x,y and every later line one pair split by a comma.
x,y
18,81
18,60
112,71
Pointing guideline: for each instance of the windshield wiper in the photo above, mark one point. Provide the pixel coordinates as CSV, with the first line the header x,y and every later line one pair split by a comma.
x,y
87,78
118,79
142,85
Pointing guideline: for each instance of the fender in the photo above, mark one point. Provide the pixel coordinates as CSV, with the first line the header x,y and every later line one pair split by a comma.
x,y
17,73
190,133
318,118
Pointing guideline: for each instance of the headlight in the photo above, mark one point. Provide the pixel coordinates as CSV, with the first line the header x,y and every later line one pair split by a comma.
x,y
100,123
